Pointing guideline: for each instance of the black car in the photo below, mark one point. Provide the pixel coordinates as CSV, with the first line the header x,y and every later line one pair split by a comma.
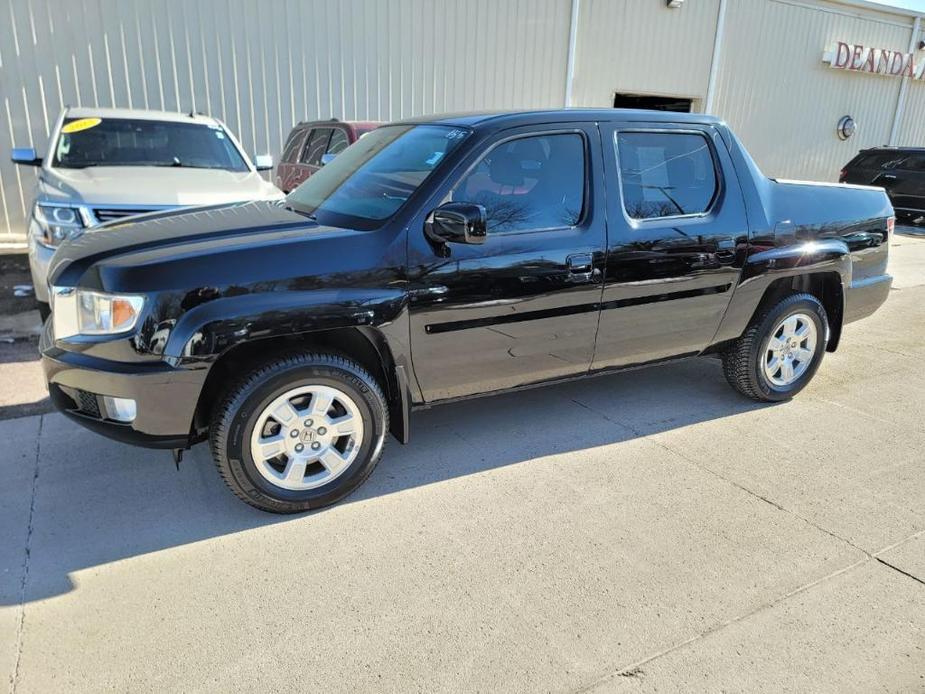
x,y
899,170
450,257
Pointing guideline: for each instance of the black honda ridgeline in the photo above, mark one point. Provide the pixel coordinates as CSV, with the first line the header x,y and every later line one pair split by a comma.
x,y
444,258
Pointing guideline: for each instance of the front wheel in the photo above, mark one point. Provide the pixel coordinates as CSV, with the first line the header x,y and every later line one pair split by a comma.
x,y
300,432
780,351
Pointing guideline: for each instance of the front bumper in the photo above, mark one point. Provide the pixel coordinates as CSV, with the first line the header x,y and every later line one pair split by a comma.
x,y
866,296
166,396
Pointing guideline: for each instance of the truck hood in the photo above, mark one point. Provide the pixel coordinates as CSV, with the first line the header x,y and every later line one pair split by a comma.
x,y
154,237
152,186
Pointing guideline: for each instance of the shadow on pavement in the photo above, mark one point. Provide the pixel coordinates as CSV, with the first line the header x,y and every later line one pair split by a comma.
x,y
19,352
910,230
97,501
26,409
22,387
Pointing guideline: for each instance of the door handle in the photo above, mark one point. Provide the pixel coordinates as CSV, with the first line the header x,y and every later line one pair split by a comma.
x,y
580,262
581,268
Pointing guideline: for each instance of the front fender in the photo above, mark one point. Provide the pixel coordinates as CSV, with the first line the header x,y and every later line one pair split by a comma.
x,y
209,329
765,267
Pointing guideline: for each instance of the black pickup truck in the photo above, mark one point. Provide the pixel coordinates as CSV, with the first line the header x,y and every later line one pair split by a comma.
x,y
444,258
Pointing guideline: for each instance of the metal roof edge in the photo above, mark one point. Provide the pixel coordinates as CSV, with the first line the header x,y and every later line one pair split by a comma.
x,y
880,7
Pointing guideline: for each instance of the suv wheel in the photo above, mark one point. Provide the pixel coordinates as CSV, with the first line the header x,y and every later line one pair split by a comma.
x,y
780,351
299,432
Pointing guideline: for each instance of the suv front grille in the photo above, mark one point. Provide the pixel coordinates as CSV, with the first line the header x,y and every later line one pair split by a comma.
x,y
106,214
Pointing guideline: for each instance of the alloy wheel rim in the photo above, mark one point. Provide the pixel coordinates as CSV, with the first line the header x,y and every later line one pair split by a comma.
x,y
307,437
790,350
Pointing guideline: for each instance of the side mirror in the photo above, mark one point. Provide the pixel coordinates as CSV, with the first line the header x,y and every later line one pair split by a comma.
x,y
25,156
263,162
457,222
327,158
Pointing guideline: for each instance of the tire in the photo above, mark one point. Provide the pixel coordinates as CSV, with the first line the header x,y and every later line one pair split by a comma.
x,y
748,361
298,384
44,310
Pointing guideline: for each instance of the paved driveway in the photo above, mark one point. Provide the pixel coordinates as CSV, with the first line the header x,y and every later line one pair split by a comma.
x,y
649,531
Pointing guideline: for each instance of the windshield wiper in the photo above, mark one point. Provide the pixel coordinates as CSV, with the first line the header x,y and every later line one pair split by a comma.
x,y
304,213
176,163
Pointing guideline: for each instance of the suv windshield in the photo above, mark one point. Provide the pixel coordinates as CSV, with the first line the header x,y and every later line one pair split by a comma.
x,y
370,180
128,142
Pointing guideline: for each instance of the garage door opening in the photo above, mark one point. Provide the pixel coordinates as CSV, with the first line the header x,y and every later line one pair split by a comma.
x,y
657,103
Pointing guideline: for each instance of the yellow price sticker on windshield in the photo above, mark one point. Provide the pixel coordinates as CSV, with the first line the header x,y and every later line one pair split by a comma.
x,y
75,126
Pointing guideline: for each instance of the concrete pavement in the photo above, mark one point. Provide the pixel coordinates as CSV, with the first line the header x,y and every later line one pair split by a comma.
x,y
649,531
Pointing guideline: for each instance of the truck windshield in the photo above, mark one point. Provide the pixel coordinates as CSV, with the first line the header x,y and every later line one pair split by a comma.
x,y
370,180
87,142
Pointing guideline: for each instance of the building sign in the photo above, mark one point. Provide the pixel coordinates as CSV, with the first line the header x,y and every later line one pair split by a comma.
x,y
855,57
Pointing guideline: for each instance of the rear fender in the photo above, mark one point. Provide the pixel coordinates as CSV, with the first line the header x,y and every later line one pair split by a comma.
x,y
767,267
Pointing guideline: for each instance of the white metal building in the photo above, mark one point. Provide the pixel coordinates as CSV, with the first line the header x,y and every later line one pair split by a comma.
x,y
262,65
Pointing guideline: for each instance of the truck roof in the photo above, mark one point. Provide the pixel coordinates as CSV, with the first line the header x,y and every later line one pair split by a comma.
x,y
562,115
137,114
893,148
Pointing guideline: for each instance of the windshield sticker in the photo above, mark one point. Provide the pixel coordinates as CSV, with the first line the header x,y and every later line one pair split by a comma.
x,y
219,134
455,134
75,126
433,159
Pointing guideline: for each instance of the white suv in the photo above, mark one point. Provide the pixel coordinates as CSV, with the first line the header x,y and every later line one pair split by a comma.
x,y
108,164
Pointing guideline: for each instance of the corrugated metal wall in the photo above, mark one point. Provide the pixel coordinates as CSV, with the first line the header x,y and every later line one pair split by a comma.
x,y
262,65
912,128
643,47
784,102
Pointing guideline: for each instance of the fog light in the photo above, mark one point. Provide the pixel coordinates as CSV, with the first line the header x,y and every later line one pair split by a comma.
x,y
120,409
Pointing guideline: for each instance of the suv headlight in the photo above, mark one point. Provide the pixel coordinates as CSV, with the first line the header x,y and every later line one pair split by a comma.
x,y
86,312
57,223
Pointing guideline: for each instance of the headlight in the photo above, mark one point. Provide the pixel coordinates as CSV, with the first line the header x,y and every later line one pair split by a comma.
x,y
85,312
106,314
57,223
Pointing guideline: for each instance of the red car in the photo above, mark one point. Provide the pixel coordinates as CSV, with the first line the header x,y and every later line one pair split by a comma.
x,y
311,145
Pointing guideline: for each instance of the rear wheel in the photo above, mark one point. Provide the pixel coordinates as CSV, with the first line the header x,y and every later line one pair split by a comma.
x,y
780,351
299,432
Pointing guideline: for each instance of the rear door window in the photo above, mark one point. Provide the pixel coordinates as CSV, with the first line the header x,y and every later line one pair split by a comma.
x,y
666,174
317,143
